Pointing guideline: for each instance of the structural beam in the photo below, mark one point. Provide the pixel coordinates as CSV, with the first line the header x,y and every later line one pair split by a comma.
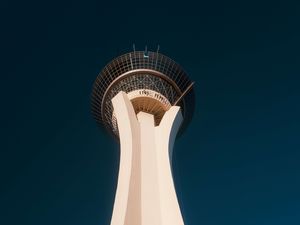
x,y
145,192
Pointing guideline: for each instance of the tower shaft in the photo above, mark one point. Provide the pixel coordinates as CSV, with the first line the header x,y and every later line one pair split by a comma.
x,y
145,192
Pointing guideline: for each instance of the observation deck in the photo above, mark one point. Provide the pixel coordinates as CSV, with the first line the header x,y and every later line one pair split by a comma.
x,y
153,83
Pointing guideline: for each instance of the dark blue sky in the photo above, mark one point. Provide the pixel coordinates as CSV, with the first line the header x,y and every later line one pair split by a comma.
x,y
238,163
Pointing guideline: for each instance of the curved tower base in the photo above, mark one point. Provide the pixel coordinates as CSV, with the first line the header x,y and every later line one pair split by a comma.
x,y
145,193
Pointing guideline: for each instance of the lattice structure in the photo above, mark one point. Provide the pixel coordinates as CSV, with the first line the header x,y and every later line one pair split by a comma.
x,y
139,70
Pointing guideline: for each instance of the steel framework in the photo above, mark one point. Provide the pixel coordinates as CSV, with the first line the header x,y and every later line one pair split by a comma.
x,y
140,70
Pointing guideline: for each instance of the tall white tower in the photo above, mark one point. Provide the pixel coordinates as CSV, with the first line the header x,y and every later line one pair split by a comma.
x,y
144,99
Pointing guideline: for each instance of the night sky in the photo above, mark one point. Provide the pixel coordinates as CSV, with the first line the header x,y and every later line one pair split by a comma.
x,y
238,163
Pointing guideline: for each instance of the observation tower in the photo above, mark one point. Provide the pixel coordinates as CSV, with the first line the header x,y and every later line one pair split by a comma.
x,y
145,100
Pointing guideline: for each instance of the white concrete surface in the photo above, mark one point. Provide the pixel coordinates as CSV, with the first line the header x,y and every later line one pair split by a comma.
x,y
145,192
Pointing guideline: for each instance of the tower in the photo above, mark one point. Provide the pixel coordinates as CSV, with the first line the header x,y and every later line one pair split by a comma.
x,y
145,100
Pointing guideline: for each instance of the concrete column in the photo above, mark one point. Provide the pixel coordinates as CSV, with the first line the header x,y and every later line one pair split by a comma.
x,y
145,193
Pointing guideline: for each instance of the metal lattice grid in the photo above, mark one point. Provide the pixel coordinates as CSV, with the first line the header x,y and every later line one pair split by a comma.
x,y
133,71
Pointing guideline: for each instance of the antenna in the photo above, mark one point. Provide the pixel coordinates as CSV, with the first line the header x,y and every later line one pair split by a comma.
x,y
156,56
184,93
131,61
157,50
133,46
146,52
